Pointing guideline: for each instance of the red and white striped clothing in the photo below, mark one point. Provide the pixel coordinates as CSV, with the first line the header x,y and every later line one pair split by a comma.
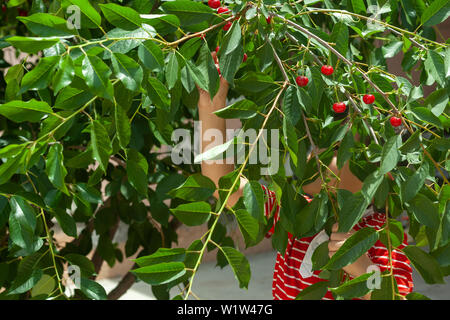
x,y
287,280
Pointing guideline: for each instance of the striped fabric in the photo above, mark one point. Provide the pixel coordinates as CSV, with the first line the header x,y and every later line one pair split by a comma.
x,y
287,281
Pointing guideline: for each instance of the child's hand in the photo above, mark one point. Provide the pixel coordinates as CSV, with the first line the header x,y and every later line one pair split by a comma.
x,y
337,239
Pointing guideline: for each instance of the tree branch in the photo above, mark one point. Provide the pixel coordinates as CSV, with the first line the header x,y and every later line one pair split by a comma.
x,y
122,287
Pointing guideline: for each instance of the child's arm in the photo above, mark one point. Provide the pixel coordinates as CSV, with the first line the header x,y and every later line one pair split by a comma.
x,y
209,120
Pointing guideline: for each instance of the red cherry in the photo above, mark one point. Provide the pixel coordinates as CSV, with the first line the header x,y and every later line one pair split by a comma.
x,y
245,57
223,10
369,98
395,121
227,26
269,20
214,4
217,49
3,8
339,107
327,70
302,81
22,13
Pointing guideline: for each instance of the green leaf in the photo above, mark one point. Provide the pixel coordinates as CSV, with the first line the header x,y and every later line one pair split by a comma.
x,y
66,221
239,264
88,11
344,151
196,188
247,224
40,76
64,75
231,53
123,126
396,234
215,152
44,286
32,45
22,111
162,255
437,101
121,16
243,109
254,200
34,278
163,23
427,266
315,291
47,25
96,74
197,75
22,222
354,288
137,169
391,49
355,246
151,55
437,12
86,266
254,83
388,289
416,296
160,273
390,154
426,115
291,105
414,183
158,93
92,289
207,67
54,167
371,184
172,70
192,214
70,98
320,256
305,218
424,211
101,144
127,70
340,36
352,211
434,65
189,12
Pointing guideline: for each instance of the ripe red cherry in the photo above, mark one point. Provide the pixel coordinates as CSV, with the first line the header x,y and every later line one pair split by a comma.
x,y
327,70
395,121
245,57
269,20
339,107
302,81
217,49
214,3
227,26
223,10
22,13
369,98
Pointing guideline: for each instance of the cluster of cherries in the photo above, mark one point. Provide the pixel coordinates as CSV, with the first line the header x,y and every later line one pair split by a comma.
x,y
340,107
302,81
215,4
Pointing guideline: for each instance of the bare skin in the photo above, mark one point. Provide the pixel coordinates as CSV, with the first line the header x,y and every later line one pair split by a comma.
x,y
214,171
